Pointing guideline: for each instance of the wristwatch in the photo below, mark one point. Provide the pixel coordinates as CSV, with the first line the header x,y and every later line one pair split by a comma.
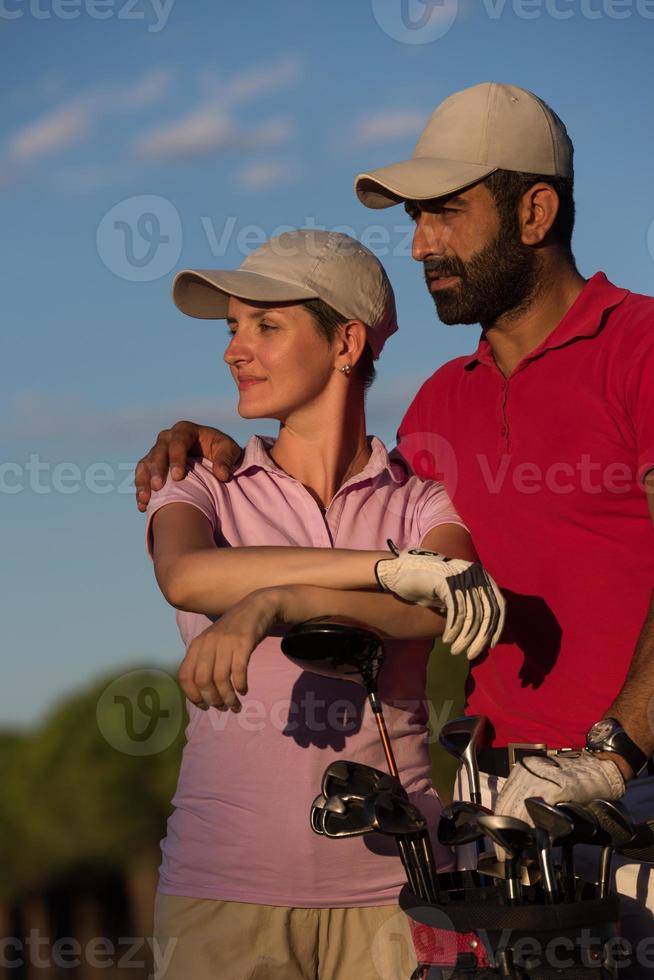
x,y
608,735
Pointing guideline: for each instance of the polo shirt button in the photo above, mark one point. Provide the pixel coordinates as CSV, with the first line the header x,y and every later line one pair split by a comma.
x,y
503,430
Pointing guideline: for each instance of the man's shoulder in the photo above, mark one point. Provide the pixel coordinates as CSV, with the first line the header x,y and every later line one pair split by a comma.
x,y
445,376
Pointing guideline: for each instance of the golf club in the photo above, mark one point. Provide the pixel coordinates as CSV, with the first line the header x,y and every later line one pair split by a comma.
x,y
557,825
618,826
460,738
549,825
514,836
357,779
585,828
348,652
396,817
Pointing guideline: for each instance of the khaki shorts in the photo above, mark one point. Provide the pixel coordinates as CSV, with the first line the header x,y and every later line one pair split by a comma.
x,y
202,939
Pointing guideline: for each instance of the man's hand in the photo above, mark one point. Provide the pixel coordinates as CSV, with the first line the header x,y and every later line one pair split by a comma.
x,y
463,590
576,776
171,450
214,669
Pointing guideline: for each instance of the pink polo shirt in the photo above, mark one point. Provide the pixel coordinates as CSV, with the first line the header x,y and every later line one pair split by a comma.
x,y
240,829
545,467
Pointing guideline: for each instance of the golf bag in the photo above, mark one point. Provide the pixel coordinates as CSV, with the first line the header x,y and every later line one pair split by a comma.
x,y
471,935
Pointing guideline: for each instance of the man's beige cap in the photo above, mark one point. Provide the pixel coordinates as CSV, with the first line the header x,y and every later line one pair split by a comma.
x,y
297,266
472,133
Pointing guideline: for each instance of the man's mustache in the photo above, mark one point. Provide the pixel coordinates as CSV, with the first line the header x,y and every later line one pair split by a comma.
x,y
443,267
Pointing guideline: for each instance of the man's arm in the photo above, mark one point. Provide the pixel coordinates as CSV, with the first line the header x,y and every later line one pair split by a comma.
x,y
634,705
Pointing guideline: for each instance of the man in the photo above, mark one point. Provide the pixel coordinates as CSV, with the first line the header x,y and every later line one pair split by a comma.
x,y
544,439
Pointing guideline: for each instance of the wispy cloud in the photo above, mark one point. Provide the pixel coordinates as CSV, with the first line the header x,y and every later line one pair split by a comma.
x,y
208,129
382,127
263,175
54,131
200,131
70,122
260,82
252,83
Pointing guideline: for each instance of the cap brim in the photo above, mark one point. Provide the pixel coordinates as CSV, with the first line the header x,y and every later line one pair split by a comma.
x,y
204,293
420,179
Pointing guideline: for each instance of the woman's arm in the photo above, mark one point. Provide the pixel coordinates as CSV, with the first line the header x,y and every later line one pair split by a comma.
x,y
214,670
196,576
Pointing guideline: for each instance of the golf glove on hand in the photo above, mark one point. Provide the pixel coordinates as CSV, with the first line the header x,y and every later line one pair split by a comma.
x,y
579,776
462,590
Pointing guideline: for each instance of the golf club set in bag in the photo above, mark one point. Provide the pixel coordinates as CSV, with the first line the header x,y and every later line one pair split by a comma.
x,y
525,916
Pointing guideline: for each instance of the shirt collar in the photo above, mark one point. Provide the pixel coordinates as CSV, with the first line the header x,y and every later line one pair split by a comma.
x,y
256,456
583,319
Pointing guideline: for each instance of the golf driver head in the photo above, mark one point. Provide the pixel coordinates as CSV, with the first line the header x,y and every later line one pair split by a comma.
x,y
335,650
357,779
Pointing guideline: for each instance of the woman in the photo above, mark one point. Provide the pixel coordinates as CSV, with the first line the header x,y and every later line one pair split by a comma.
x,y
246,889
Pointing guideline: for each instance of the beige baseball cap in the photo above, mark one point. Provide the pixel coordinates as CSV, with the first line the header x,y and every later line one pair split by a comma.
x,y
297,266
472,133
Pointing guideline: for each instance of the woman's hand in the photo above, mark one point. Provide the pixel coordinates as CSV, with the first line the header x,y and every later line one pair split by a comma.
x,y
215,667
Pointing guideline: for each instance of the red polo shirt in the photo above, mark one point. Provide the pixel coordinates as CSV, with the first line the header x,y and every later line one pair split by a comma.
x,y
545,467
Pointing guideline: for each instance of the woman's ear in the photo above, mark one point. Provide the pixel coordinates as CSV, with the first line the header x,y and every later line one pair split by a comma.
x,y
352,342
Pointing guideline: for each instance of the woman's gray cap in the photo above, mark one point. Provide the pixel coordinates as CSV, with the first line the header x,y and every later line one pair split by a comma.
x,y
472,133
294,267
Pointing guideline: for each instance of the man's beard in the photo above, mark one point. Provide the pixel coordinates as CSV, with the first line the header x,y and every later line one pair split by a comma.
x,y
499,279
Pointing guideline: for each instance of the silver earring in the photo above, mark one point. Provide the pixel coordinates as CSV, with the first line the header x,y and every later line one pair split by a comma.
x,y
346,368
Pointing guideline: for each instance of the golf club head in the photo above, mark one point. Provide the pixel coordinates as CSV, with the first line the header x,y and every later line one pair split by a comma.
x,y
556,824
357,779
458,823
489,865
335,650
460,738
316,814
513,836
614,821
393,815
344,818
585,824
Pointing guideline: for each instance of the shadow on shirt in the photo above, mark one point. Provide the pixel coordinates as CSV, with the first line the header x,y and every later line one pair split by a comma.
x,y
534,629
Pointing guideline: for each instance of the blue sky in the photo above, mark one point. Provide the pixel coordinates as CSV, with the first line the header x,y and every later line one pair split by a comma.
x,y
199,126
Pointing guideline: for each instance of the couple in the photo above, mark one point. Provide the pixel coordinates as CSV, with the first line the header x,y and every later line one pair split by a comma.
x,y
299,532
544,441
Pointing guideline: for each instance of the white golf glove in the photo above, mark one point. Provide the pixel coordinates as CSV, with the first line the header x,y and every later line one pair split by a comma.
x,y
577,776
462,590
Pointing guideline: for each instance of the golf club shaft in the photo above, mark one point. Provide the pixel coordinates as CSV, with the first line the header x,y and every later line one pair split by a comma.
x,y
378,712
